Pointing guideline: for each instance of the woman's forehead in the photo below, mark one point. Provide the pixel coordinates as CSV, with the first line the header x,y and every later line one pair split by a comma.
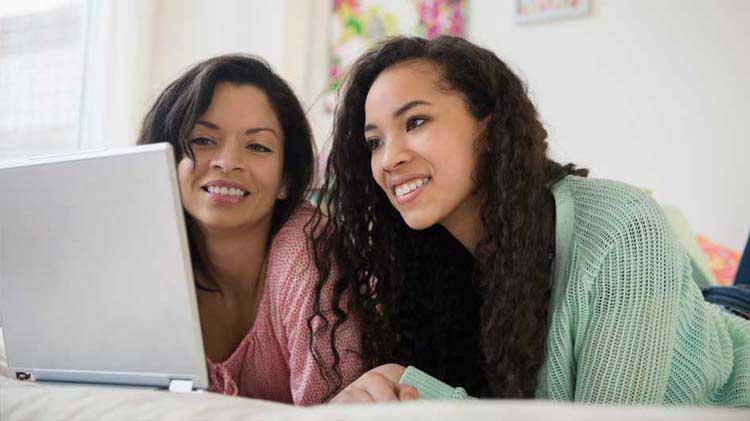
x,y
238,105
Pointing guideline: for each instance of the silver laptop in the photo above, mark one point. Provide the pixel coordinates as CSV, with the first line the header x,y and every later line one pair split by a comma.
x,y
96,284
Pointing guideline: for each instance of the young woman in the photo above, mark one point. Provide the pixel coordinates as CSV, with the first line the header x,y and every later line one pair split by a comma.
x,y
245,161
474,257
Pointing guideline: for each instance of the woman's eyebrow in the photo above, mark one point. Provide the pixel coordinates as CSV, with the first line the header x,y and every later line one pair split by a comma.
x,y
261,129
408,106
249,131
401,110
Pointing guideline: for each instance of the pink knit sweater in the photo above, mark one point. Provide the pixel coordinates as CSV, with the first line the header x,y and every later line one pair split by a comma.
x,y
273,361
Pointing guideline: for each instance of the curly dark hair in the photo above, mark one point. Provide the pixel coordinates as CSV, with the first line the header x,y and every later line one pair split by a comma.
x,y
183,101
476,318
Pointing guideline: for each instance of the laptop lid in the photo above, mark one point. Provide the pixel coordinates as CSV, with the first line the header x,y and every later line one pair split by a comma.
x,y
96,283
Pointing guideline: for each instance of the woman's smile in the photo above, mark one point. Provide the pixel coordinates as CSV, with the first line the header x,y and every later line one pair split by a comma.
x,y
225,192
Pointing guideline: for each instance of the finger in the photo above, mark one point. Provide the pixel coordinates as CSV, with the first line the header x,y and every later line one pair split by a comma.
x,y
381,388
393,372
407,392
353,395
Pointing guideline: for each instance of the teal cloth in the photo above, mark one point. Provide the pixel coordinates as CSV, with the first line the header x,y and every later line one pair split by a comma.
x,y
430,387
628,324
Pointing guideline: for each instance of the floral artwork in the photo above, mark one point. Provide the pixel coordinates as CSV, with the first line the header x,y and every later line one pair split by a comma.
x,y
359,24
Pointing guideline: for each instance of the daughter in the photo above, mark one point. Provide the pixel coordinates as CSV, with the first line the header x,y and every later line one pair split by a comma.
x,y
473,256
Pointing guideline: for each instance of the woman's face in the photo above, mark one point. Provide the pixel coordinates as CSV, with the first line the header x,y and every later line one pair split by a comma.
x,y
237,175
424,146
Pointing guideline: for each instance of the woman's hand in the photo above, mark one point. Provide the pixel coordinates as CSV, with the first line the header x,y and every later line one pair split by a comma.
x,y
378,385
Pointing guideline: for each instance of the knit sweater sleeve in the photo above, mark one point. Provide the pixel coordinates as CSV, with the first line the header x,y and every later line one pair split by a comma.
x,y
430,387
309,382
629,312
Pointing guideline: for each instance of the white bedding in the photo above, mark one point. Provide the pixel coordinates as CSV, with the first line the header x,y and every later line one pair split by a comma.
x,y
30,401
20,401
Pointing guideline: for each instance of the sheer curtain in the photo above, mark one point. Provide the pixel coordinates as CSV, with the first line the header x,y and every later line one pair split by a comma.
x,y
41,80
73,76
118,71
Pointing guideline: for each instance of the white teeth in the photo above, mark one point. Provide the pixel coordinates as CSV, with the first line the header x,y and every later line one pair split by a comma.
x,y
227,191
409,187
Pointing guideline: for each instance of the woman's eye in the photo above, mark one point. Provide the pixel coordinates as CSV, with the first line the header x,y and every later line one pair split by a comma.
x,y
257,147
372,143
414,123
201,141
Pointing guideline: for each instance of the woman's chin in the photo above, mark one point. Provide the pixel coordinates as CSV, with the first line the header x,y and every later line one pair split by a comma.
x,y
418,222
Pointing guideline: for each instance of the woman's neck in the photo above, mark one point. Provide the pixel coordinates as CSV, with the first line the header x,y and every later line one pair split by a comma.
x,y
465,224
234,259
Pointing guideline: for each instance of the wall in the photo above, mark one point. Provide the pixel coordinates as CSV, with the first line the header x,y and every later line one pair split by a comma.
x,y
192,30
652,93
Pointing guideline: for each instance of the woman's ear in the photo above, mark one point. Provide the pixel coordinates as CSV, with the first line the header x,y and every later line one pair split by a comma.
x,y
282,190
483,136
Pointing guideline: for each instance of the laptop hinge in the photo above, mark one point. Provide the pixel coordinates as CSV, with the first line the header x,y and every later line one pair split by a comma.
x,y
180,386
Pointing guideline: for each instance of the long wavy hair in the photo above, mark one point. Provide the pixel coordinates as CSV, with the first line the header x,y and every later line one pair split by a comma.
x,y
473,318
183,101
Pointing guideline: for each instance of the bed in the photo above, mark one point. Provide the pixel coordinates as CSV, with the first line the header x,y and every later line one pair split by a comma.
x,y
31,401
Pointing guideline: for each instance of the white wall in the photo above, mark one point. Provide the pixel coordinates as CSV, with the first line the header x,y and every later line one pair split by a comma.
x,y
290,34
654,93
649,92
188,31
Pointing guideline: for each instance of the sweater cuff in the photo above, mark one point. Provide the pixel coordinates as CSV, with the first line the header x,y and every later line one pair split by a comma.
x,y
430,387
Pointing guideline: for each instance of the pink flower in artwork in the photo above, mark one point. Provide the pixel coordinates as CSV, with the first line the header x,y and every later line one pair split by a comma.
x,y
441,17
457,22
333,72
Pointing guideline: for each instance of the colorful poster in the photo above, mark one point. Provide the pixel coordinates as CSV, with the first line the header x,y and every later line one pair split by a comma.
x,y
358,24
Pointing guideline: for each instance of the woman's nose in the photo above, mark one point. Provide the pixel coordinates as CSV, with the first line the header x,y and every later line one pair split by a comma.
x,y
227,159
395,153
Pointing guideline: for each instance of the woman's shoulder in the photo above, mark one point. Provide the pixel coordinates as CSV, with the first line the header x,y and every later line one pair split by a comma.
x,y
620,245
606,195
296,233
291,247
607,215
607,207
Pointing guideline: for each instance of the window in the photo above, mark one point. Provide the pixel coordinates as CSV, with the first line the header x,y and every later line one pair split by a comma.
x,y
42,60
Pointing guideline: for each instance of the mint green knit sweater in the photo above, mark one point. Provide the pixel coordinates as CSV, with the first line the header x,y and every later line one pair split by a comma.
x,y
628,324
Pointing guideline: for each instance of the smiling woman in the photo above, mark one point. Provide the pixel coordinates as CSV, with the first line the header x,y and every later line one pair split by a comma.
x,y
472,255
245,161
236,175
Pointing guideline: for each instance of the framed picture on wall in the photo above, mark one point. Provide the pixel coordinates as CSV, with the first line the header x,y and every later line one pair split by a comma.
x,y
357,25
528,11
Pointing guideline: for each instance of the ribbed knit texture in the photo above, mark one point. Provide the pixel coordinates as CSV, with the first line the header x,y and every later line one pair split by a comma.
x,y
430,387
628,324
273,361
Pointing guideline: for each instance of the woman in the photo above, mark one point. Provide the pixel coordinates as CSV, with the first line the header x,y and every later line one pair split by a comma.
x,y
474,257
245,161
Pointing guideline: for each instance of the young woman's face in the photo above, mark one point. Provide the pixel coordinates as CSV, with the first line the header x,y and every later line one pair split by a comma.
x,y
424,146
237,175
